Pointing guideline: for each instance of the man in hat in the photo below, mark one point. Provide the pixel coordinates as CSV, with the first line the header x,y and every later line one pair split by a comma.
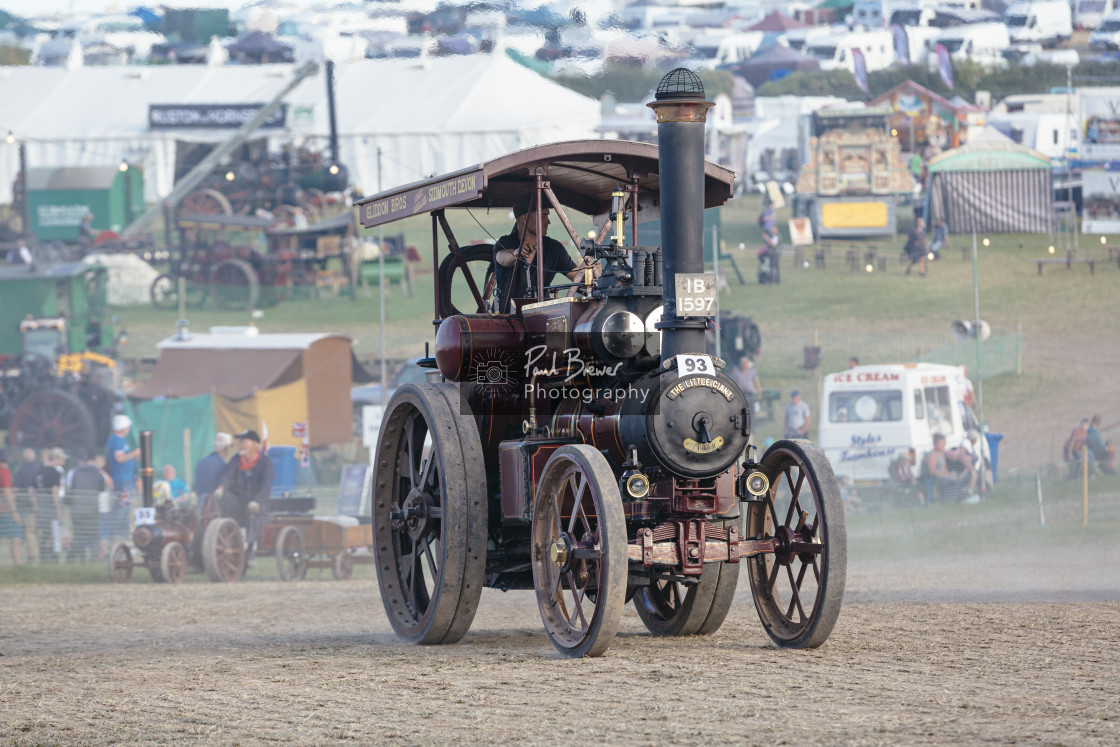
x,y
245,485
798,417
122,461
23,481
516,253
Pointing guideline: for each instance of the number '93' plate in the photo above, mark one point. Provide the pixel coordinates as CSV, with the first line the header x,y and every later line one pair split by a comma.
x,y
696,294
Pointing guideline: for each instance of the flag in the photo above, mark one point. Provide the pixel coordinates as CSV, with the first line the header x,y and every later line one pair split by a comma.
x,y
901,44
860,66
945,66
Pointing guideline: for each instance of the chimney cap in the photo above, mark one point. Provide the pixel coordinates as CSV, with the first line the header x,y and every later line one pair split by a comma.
x,y
680,83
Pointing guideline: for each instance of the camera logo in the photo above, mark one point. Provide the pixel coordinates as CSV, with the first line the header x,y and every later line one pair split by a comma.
x,y
494,373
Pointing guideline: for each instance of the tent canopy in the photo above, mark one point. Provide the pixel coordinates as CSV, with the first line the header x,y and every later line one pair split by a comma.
x,y
992,188
461,110
776,20
235,368
759,69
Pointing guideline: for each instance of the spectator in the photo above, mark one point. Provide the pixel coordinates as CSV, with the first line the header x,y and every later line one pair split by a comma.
x,y
1072,448
977,449
24,483
122,471
48,493
938,480
915,248
246,484
798,417
853,362
84,484
746,376
10,528
1102,451
21,255
940,238
208,471
901,472
769,270
86,234
175,484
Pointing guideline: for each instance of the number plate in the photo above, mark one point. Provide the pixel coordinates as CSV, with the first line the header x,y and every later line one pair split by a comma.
x,y
144,516
696,294
687,365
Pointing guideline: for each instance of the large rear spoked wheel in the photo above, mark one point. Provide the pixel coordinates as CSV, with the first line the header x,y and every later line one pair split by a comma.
x,y
799,588
223,551
671,608
579,551
429,514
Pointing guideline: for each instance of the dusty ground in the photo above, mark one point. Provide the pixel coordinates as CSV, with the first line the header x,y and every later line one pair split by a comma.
x,y
315,662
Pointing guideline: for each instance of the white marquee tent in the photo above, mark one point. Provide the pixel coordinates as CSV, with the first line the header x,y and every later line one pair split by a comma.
x,y
427,116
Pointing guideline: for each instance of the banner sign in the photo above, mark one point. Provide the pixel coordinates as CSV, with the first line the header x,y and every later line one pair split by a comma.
x,y
209,116
860,65
1099,109
901,45
945,66
1100,189
453,190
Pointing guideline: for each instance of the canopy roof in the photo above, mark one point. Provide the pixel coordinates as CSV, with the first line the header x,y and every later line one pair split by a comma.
x,y
777,21
583,174
990,157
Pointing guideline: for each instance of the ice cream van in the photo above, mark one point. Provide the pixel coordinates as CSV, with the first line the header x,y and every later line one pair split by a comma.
x,y
870,415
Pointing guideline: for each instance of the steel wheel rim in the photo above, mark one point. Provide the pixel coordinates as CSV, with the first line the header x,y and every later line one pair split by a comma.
x,y
120,563
567,597
788,585
416,542
293,563
176,564
229,550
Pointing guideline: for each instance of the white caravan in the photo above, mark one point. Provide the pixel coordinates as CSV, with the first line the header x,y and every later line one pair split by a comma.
x,y
727,49
835,51
1048,23
871,415
979,42
1088,14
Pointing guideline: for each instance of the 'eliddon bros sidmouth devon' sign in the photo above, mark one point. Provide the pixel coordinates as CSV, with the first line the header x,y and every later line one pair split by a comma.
x,y
209,116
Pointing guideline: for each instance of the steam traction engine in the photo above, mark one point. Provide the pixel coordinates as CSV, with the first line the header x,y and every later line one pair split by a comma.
x,y
583,445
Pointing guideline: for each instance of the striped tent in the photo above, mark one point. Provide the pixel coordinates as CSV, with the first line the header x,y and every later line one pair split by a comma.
x,y
990,188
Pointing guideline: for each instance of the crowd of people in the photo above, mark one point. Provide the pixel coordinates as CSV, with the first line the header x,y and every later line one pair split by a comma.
x,y
49,513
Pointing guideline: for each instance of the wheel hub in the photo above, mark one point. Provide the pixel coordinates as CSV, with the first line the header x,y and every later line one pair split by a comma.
x,y
414,513
560,550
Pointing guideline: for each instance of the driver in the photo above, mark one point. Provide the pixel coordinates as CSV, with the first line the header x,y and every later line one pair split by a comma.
x,y
516,253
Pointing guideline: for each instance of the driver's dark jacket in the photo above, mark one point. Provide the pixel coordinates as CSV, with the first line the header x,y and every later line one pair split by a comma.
x,y
556,260
242,486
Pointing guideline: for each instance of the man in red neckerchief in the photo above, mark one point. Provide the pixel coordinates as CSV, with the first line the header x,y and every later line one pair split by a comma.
x,y
246,483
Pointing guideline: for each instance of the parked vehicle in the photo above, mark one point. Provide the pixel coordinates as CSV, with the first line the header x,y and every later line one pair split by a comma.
x,y
870,415
979,42
835,51
1048,23
1088,14
727,49
1107,35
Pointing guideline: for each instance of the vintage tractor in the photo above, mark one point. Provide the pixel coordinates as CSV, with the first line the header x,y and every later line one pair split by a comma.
x,y
584,445
59,378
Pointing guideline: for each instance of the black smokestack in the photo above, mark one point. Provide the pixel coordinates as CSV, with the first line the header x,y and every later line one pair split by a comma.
x,y
147,472
681,112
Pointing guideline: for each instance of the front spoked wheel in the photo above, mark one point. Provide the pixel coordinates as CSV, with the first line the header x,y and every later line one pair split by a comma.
x,y
429,515
579,551
799,587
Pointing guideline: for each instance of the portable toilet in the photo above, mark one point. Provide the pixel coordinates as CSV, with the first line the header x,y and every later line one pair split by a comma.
x,y
58,198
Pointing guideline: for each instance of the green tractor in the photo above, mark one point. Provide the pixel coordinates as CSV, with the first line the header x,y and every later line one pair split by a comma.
x,y
59,376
